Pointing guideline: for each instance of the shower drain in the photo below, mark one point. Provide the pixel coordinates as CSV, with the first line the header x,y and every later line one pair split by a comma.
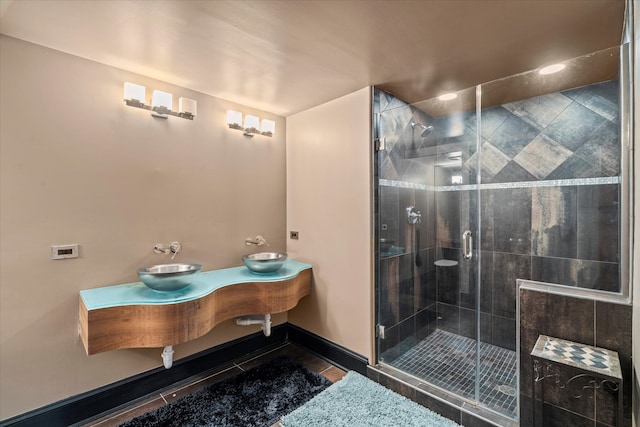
x,y
506,389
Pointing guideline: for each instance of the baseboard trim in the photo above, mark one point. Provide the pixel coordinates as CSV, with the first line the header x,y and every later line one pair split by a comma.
x,y
87,405
337,354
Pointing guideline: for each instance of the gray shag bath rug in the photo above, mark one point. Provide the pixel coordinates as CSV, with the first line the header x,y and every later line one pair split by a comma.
x,y
258,397
356,401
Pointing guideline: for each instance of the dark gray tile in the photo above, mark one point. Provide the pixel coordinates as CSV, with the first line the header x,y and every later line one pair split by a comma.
x,y
603,276
574,126
602,150
614,332
448,219
406,286
507,269
533,319
448,318
469,420
557,417
492,118
425,322
598,222
468,322
448,278
400,388
486,328
513,172
560,271
561,392
504,332
512,211
602,98
487,283
513,135
487,223
425,286
570,319
407,331
389,292
526,410
554,221
493,161
437,406
574,167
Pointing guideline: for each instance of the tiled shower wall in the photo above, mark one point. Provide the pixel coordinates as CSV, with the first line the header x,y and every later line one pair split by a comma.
x,y
535,223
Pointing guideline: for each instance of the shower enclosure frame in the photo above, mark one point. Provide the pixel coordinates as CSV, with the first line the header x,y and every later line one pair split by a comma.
x,y
625,217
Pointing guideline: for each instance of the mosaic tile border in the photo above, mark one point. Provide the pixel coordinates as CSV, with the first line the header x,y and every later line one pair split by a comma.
x,y
503,185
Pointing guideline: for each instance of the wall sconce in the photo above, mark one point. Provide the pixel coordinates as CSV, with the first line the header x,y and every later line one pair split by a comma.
x,y
252,124
161,102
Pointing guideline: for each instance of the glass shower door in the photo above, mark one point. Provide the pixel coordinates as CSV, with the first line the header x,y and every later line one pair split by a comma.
x,y
427,264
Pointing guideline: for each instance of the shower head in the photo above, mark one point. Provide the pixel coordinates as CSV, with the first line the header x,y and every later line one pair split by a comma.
x,y
426,130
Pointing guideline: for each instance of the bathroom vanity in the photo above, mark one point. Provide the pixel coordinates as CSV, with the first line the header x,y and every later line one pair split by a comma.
x,y
133,316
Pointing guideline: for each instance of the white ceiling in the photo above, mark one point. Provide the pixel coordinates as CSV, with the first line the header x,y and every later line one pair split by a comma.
x,y
284,56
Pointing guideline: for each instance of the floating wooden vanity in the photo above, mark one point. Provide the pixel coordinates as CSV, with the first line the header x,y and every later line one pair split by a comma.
x,y
134,316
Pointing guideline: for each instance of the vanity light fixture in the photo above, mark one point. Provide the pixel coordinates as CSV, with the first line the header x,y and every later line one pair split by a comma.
x,y
161,102
267,127
252,124
448,96
550,69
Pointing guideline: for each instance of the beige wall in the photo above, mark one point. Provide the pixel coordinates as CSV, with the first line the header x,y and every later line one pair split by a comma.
x,y
78,166
329,204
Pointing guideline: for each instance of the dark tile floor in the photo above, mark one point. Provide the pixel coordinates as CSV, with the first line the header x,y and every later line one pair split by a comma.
x,y
176,391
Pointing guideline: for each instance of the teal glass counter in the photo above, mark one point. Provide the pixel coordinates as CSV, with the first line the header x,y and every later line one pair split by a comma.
x,y
136,293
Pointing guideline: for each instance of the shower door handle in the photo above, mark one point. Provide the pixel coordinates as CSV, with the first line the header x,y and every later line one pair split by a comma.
x,y
467,245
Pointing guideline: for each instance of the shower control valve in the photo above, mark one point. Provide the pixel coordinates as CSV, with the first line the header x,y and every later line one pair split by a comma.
x,y
413,215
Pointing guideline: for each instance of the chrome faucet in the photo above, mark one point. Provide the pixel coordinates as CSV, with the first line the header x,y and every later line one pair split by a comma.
x,y
173,248
259,241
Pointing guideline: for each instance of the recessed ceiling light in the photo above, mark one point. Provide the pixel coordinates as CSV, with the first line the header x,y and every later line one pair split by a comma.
x,y
550,69
448,96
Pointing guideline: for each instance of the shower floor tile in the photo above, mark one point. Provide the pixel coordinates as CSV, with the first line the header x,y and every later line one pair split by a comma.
x,y
448,361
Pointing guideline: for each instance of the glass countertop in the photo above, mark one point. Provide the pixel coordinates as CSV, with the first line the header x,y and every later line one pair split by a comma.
x,y
137,293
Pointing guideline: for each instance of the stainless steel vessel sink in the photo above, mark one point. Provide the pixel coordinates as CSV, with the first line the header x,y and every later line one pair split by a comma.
x,y
264,262
169,277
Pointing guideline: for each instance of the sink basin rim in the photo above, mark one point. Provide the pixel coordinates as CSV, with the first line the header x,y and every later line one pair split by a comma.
x,y
169,277
264,262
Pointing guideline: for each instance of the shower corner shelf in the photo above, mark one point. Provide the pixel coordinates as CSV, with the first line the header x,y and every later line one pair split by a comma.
x,y
446,263
134,316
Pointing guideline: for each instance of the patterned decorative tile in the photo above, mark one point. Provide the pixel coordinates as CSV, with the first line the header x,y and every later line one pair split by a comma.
x,y
492,118
541,156
539,111
493,161
602,98
513,172
575,126
602,150
513,135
